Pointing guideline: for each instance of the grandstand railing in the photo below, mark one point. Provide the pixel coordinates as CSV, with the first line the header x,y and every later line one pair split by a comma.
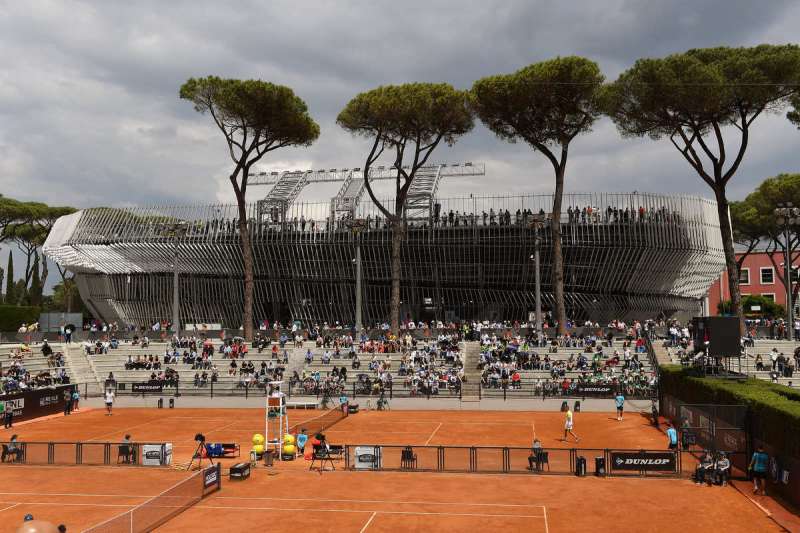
x,y
517,460
532,391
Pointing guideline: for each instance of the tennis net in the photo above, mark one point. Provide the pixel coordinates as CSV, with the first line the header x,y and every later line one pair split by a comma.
x,y
321,422
159,509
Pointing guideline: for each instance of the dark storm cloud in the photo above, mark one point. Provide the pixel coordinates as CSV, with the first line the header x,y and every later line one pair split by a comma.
x,y
89,113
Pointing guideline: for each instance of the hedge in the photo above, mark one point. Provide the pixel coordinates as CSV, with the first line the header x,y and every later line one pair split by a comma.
x,y
13,316
773,409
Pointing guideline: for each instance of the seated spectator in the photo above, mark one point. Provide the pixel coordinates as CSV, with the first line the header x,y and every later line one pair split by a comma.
x,y
12,448
704,472
722,469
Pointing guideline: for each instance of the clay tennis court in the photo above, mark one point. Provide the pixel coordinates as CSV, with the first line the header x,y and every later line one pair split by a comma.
x,y
289,496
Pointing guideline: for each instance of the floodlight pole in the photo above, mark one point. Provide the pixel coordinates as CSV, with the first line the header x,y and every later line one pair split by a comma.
x,y
359,325
176,326
538,278
788,275
177,230
537,225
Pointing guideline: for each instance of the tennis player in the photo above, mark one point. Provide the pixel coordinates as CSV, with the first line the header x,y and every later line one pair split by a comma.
x,y
568,426
109,401
619,399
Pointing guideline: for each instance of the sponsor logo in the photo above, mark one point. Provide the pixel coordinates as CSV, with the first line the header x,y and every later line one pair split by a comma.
x,y
731,441
152,454
48,400
210,477
146,387
656,461
642,462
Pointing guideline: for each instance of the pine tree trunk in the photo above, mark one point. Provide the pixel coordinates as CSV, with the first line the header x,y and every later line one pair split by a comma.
x,y
558,255
730,255
394,309
248,265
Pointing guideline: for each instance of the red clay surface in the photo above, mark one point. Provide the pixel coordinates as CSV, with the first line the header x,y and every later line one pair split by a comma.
x,y
288,496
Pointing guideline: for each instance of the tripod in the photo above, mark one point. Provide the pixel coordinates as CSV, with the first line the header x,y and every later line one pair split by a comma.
x,y
200,454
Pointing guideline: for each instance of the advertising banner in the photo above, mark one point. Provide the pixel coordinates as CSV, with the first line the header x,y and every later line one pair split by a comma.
x,y
31,404
151,387
665,461
595,390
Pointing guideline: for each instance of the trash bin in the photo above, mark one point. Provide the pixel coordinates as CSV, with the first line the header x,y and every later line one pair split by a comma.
x,y
564,406
580,466
599,466
269,457
161,403
577,407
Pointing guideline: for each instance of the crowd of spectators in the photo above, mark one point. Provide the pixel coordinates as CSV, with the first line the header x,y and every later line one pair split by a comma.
x,y
15,376
426,367
503,362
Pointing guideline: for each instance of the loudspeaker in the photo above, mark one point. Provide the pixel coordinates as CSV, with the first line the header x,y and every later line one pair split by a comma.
x,y
720,332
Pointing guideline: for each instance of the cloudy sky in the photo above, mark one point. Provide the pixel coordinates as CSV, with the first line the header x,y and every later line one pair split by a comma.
x,y
89,112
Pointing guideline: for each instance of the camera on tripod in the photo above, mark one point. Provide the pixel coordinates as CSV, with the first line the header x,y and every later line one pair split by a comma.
x,y
200,438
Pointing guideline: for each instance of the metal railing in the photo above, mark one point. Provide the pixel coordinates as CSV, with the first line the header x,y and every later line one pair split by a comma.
x,y
518,460
74,453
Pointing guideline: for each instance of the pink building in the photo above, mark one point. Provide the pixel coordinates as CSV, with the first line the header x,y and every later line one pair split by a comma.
x,y
758,277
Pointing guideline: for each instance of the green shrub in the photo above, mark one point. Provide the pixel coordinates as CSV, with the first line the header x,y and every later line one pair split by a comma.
x,y
773,410
13,316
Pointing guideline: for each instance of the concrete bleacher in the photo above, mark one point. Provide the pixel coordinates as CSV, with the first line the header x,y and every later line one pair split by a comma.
x,y
530,377
394,359
114,362
33,360
763,347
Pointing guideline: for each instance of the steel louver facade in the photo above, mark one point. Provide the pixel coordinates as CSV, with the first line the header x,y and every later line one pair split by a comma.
x,y
629,255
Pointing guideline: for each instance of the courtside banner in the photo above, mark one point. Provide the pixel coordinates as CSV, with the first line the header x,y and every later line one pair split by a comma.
x,y
643,461
212,477
30,404
589,390
147,387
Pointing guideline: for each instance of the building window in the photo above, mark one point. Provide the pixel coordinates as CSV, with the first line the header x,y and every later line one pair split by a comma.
x,y
767,275
769,296
744,276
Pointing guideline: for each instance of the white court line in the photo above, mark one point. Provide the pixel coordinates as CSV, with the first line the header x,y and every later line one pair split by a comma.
x,y
128,505
371,518
123,431
270,498
459,503
305,509
9,507
434,433
546,526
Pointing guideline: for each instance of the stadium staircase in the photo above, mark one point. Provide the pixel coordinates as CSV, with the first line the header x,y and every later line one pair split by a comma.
x,y
80,368
471,388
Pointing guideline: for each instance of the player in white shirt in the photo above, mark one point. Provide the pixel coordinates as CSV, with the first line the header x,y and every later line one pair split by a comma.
x,y
109,401
568,426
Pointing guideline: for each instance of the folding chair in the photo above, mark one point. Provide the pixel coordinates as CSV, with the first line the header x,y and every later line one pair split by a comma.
x,y
408,459
321,454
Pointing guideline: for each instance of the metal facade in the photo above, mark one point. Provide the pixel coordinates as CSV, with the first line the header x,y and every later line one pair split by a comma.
x,y
654,254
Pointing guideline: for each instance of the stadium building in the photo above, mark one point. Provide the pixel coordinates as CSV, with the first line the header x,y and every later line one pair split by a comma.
x,y
626,255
